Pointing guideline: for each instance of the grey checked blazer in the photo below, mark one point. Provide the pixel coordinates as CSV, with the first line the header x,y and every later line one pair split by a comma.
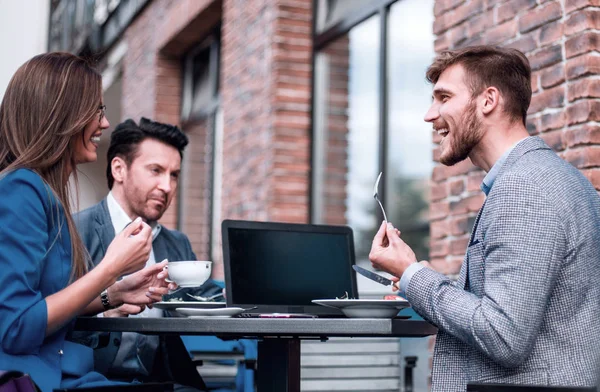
x,y
526,306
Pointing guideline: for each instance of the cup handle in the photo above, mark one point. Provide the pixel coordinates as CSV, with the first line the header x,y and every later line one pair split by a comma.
x,y
166,268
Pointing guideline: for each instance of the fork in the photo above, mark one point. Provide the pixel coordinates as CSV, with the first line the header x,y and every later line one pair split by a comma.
x,y
376,195
204,299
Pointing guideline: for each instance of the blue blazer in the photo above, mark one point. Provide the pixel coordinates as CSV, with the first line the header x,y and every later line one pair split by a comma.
x,y
35,262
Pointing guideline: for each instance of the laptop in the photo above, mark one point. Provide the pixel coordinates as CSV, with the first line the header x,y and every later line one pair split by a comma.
x,y
281,267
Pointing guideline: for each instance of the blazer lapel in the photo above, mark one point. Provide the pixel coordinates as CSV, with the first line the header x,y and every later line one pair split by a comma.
x,y
529,144
159,248
104,227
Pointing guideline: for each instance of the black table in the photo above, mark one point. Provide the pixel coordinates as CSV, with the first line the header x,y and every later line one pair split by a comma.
x,y
279,344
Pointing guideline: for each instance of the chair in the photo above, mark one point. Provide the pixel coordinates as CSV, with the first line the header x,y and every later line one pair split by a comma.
x,y
225,366
147,387
475,387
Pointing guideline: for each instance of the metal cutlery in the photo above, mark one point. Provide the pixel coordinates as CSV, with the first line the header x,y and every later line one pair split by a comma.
x,y
373,276
376,195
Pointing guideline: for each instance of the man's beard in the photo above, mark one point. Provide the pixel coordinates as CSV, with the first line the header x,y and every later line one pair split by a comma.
x,y
466,136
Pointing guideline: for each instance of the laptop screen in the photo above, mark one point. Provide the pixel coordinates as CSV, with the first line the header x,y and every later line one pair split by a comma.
x,y
282,267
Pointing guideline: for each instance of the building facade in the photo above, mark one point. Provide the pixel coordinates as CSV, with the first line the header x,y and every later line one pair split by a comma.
x,y
293,108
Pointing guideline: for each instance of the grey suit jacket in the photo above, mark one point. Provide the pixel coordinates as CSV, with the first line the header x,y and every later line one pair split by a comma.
x,y
96,230
526,306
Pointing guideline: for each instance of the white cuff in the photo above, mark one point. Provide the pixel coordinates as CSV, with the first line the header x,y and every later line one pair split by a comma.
x,y
407,276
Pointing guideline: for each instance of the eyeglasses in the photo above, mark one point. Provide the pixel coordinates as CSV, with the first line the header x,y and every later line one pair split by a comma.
x,y
102,109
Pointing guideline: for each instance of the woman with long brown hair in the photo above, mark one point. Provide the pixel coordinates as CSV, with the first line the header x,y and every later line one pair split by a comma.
x,y
51,118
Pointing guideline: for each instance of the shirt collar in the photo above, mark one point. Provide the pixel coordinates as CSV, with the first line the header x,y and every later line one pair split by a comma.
x,y
120,219
490,178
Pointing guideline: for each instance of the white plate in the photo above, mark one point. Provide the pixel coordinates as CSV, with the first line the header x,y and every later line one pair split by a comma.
x,y
366,308
222,312
172,305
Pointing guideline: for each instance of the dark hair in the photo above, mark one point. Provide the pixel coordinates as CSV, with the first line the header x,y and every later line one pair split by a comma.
x,y
504,68
127,136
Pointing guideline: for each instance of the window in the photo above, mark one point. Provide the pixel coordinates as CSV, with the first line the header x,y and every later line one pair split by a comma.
x,y
370,96
200,188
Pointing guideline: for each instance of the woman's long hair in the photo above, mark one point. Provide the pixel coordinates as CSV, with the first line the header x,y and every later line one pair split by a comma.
x,y
47,104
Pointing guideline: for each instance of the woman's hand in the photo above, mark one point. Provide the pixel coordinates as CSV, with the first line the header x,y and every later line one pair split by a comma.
x,y
142,287
124,310
130,249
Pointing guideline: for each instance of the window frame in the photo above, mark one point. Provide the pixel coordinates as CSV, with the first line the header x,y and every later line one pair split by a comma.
x,y
210,114
320,41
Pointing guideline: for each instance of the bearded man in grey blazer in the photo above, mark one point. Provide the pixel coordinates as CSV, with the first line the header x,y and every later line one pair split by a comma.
x,y
525,308
144,163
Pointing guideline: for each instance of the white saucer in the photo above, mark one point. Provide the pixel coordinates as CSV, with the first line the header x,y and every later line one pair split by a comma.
x,y
222,312
172,305
366,308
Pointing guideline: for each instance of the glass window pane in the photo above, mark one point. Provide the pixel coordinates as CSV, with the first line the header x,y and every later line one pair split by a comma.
x,y
409,144
330,12
347,133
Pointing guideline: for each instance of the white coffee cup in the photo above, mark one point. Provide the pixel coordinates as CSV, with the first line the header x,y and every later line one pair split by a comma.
x,y
192,273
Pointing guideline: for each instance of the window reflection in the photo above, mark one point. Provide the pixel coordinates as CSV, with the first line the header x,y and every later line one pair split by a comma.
x,y
347,136
409,145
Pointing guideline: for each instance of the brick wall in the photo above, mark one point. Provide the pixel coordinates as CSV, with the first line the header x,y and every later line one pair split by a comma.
x,y
265,77
560,38
195,188
152,81
265,88
335,181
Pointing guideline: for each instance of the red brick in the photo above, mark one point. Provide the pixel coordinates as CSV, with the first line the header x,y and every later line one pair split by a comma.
x,y
467,204
458,35
552,98
510,9
554,120
438,191
573,5
552,76
464,11
533,125
588,64
500,33
438,210
554,140
442,6
437,151
474,181
593,175
535,82
481,23
583,88
459,246
439,248
546,57
583,111
582,135
583,157
447,267
583,43
457,187
442,42
551,32
578,21
441,172
439,229
526,43
459,226
540,16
